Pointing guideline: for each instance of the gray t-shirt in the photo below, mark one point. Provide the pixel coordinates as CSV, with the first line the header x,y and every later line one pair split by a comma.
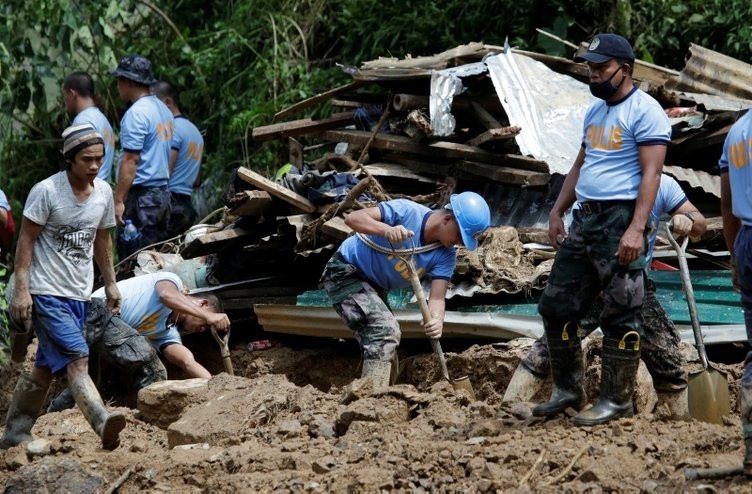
x,y
62,259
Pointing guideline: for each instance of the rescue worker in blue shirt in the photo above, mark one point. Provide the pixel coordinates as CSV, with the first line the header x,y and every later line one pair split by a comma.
x,y
736,209
660,348
79,97
143,173
185,162
615,179
358,276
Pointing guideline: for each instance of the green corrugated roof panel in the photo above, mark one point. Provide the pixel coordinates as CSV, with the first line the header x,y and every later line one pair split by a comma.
x,y
717,302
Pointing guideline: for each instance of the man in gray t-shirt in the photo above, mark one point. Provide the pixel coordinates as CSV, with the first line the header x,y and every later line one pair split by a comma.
x,y
66,223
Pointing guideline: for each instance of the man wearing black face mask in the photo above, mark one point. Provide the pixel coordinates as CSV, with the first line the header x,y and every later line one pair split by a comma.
x,y
615,178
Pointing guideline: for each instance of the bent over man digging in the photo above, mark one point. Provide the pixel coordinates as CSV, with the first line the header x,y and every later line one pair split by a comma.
x,y
66,222
358,276
615,178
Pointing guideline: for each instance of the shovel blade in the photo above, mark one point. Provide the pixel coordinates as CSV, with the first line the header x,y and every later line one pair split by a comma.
x,y
463,386
708,396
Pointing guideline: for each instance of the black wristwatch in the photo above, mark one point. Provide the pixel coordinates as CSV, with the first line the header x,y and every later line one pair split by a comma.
x,y
689,215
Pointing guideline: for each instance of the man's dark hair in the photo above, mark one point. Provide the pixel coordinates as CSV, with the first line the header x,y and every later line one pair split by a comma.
x,y
80,82
215,304
626,61
163,89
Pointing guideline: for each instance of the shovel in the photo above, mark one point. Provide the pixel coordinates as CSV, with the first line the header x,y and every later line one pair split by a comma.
x,y
708,389
224,350
461,385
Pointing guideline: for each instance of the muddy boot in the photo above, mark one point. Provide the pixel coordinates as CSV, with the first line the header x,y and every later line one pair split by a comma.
x,y
61,402
523,385
395,371
618,376
25,406
673,405
567,373
378,370
106,425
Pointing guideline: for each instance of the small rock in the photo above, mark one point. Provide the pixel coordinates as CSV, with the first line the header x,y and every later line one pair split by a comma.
x,y
16,457
484,485
138,447
192,446
705,489
491,471
38,447
485,427
323,465
475,466
588,476
616,430
521,410
445,454
649,486
290,428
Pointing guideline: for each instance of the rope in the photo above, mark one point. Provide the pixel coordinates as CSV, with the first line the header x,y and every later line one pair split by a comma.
x,y
398,252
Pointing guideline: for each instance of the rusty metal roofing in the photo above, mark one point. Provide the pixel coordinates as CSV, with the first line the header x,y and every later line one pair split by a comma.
x,y
707,71
698,179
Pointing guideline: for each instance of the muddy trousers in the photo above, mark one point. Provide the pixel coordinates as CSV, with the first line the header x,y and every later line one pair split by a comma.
x,y
743,250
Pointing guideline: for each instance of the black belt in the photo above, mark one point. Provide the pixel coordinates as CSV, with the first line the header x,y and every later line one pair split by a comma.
x,y
595,207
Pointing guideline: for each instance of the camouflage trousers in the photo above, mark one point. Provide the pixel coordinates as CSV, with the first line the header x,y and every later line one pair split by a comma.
x,y
586,265
126,360
743,251
660,345
182,214
149,209
363,308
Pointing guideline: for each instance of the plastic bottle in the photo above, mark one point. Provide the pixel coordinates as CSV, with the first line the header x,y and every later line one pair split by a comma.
x,y
258,345
130,232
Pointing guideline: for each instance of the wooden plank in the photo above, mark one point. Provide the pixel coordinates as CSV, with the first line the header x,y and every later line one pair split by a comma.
x,y
336,228
393,170
278,191
301,127
295,150
441,149
490,135
213,242
486,119
314,100
503,174
255,203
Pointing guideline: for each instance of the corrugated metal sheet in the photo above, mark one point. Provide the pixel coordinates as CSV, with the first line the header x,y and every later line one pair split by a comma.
x,y
516,206
705,181
707,71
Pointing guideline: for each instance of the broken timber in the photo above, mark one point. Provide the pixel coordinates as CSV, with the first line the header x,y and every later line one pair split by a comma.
x,y
336,228
494,135
287,195
440,149
211,243
251,203
301,127
503,174
314,100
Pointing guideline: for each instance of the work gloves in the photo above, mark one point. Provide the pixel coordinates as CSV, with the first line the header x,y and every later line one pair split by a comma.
x,y
681,225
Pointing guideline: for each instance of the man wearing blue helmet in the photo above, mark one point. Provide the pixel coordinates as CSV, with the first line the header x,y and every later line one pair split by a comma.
x,y
358,276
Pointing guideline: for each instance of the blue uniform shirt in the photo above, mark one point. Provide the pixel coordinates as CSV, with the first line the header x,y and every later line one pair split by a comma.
x,y
189,144
147,128
612,134
96,118
388,271
737,161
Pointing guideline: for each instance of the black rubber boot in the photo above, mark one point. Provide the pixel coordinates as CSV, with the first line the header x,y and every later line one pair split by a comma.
x,y
619,364
24,409
567,373
106,425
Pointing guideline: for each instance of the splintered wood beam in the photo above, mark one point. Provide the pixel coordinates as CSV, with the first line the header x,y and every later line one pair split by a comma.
x,y
441,149
503,174
494,135
278,191
301,127
486,119
336,228
315,100
210,243
251,203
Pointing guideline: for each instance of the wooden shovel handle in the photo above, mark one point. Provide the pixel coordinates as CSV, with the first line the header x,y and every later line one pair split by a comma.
x,y
426,312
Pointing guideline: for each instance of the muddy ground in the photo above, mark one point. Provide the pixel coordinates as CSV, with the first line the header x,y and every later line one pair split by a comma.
x,y
293,420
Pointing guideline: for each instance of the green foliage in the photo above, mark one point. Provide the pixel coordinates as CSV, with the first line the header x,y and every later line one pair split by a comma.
x,y
238,63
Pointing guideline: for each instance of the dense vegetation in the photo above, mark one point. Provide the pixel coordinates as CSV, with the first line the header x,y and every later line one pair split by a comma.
x,y
240,61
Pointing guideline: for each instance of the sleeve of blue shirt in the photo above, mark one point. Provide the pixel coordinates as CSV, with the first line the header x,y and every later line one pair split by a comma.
x,y
653,128
133,131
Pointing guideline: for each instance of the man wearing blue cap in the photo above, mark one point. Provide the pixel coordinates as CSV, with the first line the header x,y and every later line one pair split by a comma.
x,y
614,178
143,173
359,275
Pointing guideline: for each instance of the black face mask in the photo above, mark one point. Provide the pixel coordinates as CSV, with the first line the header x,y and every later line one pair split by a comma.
x,y
605,90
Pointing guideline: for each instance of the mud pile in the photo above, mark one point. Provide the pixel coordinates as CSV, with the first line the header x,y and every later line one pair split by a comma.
x,y
294,420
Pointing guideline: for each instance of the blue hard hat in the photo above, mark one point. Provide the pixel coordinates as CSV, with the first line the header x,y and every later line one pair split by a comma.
x,y
472,214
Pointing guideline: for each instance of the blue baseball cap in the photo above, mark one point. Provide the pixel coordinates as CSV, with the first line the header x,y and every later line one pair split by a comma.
x,y
604,47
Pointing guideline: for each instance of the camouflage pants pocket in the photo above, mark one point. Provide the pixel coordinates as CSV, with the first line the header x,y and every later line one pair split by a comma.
x,y
375,327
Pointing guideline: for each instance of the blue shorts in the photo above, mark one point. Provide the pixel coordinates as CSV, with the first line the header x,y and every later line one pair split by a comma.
x,y
161,339
59,325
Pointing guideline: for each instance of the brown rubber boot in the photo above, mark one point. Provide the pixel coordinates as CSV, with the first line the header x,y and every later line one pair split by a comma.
x,y
24,409
106,425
